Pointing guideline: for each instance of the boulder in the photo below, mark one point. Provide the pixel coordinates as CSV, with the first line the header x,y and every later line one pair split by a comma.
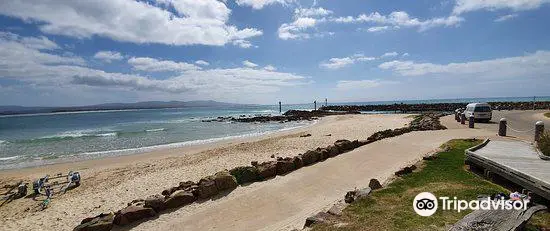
x,y
333,151
207,188
374,184
179,198
310,157
102,222
319,218
337,208
323,153
306,135
355,144
404,171
225,181
267,169
355,195
298,162
245,174
169,191
285,165
343,145
185,185
133,213
155,202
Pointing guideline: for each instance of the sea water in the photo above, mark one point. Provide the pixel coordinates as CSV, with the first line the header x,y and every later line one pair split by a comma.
x,y
33,140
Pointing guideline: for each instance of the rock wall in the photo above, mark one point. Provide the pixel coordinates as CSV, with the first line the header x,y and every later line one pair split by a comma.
x,y
441,107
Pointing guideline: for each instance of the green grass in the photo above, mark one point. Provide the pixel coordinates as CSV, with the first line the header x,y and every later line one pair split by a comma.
x,y
391,208
544,144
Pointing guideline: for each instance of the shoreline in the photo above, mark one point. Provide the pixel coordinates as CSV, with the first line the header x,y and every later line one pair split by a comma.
x,y
183,145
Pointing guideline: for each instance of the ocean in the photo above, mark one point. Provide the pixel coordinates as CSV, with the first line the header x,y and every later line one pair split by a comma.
x,y
39,139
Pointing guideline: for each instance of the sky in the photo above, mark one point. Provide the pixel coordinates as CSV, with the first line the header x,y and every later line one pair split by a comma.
x,y
64,53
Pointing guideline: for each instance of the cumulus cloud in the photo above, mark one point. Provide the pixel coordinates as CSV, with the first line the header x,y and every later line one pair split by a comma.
x,y
202,22
39,43
32,66
361,84
202,63
389,54
464,6
534,65
378,28
337,63
108,56
259,4
312,12
249,64
505,17
155,65
270,68
295,29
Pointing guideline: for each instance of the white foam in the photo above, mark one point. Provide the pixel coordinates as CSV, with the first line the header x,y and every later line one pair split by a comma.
x,y
8,158
156,130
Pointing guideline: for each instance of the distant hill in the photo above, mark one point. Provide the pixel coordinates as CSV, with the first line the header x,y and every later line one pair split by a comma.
x,y
12,110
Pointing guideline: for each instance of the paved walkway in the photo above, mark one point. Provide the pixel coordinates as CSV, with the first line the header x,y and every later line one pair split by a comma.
x,y
285,202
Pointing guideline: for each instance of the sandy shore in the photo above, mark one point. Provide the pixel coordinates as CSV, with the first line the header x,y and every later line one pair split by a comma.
x,y
110,183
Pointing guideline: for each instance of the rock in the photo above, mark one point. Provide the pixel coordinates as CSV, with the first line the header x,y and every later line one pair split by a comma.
x,y
225,181
374,184
306,135
169,191
332,151
254,163
245,174
310,157
328,135
272,156
155,202
298,163
343,145
285,166
207,188
413,167
404,171
137,202
133,213
319,218
185,185
337,208
102,222
355,144
355,195
432,157
179,198
267,169
323,153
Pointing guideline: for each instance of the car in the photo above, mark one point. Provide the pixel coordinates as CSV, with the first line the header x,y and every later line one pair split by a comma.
x,y
481,111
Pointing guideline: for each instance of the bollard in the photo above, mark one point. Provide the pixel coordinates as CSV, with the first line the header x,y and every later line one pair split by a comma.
x,y
462,118
457,115
539,129
471,121
502,127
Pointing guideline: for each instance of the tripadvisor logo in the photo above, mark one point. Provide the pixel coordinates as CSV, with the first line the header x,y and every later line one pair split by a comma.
x,y
426,204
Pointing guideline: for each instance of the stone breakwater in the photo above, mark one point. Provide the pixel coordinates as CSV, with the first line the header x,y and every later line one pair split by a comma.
x,y
291,115
442,107
188,192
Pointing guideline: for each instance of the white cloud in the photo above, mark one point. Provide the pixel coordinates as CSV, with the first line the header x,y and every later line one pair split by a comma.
x,y
155,65
249,64
270,68
259,4
202,22
389,54
312,12
337,63
295,29
33,67
202,63
401,19
378,28
361,84
530,65
405,55
464,6
505,17
39,43
108,56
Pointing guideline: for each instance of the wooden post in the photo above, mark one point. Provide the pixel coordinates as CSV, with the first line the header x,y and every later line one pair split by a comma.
x,y
462,118
539,129
471,121
280,108
315,105
534,108
326,102
502,127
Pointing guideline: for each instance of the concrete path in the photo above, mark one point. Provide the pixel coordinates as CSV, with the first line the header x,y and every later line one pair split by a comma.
x,y
285,202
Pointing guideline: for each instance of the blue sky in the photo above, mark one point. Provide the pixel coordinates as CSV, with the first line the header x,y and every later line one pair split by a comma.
x,y
59,52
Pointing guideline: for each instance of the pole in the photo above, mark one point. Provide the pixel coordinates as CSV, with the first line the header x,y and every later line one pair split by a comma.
x,y
326,102
315,105
534,108
471,121
502,127
539,129
280,109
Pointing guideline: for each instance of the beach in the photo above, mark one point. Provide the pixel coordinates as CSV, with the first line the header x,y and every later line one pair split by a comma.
x,y
108,184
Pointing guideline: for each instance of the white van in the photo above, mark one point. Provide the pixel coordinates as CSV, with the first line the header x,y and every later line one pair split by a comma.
x,y
481,111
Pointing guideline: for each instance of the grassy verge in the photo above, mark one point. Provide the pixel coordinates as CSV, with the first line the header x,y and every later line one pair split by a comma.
x,y
391,208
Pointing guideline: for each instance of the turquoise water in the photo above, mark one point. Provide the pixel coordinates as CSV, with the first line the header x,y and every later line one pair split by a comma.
x,y
32,140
